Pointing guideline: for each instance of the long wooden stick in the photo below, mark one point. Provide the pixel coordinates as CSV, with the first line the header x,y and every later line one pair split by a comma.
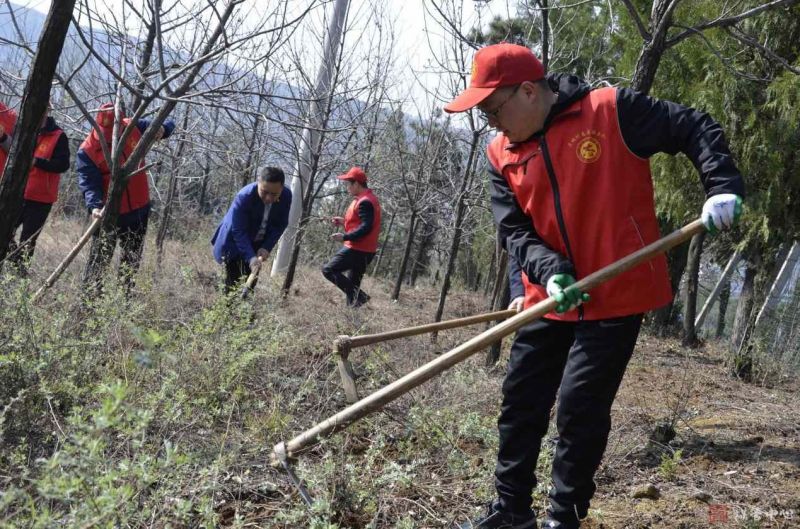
x,y
67,260
424,373
368,339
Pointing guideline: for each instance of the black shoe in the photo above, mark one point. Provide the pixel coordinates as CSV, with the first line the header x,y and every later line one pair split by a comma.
x,y
360,300
558,521
496,519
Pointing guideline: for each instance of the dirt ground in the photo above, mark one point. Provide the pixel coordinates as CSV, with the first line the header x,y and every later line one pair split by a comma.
x,y
734,461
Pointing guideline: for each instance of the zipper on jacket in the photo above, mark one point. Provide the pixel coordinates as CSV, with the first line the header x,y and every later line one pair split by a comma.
x,y
551,174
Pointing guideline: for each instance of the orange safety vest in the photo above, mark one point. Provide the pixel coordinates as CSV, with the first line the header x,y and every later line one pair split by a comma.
x,y
42,185
8,120
137,193
604,196
369,242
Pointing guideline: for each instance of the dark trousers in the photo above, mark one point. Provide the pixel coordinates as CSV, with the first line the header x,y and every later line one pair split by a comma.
x,y
235,269
32,218
587,361
130,233
345,270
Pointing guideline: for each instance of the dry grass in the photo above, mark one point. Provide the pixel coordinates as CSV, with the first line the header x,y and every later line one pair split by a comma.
x,y
427,459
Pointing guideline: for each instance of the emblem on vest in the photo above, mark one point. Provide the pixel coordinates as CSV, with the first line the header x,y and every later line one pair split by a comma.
x,y
587,145
589,150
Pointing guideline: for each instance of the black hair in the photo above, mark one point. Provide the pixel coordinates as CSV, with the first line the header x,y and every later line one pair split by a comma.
x,y
271,174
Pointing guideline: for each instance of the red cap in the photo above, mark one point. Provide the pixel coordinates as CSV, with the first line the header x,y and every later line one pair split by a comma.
x,y
356,174
493,67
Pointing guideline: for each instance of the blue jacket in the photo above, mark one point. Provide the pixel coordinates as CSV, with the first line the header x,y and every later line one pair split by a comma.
x,y
235,235
90,180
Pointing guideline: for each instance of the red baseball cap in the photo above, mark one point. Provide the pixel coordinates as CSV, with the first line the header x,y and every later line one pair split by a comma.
x,y
493,67
355,174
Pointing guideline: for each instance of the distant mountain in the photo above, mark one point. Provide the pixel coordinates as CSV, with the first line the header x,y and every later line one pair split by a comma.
x,y
16,62
30,23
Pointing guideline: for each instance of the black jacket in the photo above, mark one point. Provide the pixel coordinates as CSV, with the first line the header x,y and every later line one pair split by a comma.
x,y
648,126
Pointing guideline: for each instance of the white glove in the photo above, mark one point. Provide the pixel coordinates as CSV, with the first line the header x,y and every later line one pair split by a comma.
x,y
517,303
721,212
255,264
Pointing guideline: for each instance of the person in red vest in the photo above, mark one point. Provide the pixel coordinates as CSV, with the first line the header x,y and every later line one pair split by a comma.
x,y
362,225
8,120
94,177
571,192
51,158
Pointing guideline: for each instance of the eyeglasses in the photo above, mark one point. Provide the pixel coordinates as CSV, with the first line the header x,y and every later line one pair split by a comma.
x,y
263,193
486,115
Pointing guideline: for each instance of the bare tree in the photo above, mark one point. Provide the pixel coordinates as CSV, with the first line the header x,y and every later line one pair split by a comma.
x,y
34,105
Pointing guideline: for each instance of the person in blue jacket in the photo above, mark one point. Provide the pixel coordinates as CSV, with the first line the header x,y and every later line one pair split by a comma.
x,y
252,226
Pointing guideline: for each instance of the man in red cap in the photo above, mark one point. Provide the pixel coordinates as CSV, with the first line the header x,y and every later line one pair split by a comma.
x,y
362,225
571,192
94,178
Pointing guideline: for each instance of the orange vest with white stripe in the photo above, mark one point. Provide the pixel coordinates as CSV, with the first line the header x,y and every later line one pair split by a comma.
x,y
604,194
369,242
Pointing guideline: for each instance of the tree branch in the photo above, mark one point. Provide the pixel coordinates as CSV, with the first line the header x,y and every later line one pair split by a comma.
x,y
743,37
728,21
638,20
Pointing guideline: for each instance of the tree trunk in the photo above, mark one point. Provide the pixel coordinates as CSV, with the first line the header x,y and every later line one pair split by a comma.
x,y
490,276
500,299
461,208
201,203
420,265
724,296
741,358
692,282
664,319
288,279
383,245
305,205
724,279
147,52
311,140
545,13
783,270
653,49
165,216
412,225
173,186
249,170
34,105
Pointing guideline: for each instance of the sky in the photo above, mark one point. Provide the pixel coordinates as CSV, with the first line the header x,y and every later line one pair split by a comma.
x,y
416,27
